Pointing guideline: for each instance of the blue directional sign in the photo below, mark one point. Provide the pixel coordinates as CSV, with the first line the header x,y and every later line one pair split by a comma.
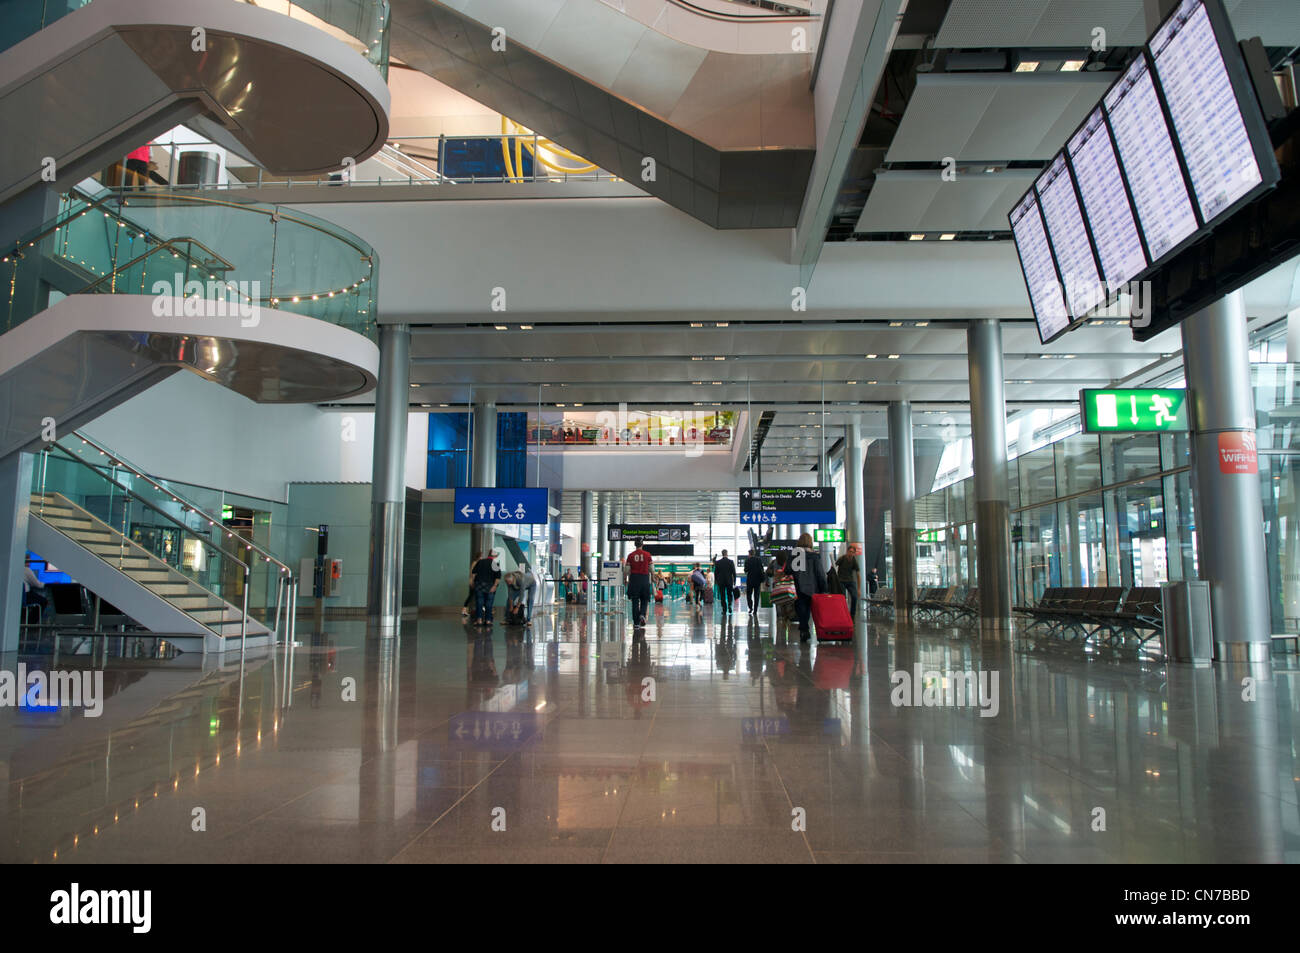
x,y
780,516
486,729
795,504
488,505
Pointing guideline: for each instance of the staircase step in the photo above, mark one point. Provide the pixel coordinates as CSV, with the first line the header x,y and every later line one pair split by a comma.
x,y
166,589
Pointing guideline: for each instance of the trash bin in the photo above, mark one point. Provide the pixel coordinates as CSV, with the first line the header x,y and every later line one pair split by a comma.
x,y
1186,610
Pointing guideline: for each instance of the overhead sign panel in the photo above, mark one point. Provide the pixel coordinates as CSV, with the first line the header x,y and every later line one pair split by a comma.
x,y
1143,410
1069,238
489,505
650,532
1045,295
829,534
1150,163
1206,109
1105,202
802,504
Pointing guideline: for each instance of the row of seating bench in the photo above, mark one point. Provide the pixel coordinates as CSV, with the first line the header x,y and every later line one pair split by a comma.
x,y
1107,613
951,605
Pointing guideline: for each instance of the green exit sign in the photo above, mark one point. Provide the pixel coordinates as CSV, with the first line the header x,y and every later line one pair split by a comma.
x,y
830,534
1145,410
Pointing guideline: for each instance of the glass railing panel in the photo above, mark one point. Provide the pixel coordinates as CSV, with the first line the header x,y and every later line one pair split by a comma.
x,y
151,520
146,244
364,22
19,19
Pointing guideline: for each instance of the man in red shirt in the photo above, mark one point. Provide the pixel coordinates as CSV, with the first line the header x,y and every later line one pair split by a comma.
x,y
639,566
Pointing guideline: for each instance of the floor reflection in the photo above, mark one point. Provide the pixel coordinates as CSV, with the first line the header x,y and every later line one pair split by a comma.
x,y
693,739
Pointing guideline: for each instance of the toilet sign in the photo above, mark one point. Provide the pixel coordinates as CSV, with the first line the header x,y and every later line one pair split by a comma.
x,y
1237,453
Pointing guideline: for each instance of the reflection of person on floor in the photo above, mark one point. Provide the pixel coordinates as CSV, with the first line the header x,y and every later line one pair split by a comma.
x,y
482,665
724,652
636,672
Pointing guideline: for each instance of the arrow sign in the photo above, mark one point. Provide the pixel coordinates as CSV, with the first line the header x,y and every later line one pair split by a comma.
x,y
501,505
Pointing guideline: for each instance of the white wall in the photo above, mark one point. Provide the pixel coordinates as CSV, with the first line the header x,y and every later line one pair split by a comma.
x,y
192,430
615,259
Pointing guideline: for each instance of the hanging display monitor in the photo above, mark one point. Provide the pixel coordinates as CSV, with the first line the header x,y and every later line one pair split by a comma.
x,y
1224,164
1105,202
1045,296
1069,239
1147,156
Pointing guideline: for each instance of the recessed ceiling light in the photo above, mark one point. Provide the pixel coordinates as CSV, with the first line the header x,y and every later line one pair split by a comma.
x,y
895,324
415,385
720,358
871,357
873,382
922,324
577,405
1026,66
850,382
501,327
697,383
444,405
947,236
723,324
893,357
697,324
917,237
1071,66
525,327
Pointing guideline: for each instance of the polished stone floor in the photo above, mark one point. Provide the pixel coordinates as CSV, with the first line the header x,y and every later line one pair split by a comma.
x,y
701,742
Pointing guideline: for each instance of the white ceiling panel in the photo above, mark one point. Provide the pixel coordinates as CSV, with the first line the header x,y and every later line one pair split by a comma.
x,y
1058,23
922,201
991,117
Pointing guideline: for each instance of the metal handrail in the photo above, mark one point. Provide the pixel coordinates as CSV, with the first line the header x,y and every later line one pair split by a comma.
x,y
170,243
118,459
62,220
140,499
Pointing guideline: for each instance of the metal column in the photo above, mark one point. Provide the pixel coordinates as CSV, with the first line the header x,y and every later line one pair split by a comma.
x,y
388,489
15,503
903,514
483,463
855,528
824,479
1229,516
584,539
988,417
601,546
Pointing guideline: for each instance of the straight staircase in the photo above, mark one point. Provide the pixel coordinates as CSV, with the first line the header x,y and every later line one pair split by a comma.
x,y
157,595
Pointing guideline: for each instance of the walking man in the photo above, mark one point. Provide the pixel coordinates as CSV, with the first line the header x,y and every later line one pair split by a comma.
x,y
724,579
639,566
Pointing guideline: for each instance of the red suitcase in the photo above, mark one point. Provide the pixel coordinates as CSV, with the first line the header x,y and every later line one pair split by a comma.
x,y
831,616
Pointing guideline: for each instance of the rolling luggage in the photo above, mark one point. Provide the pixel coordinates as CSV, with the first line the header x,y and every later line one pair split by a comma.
x,y
570,598
831,616
708,597
515,615
659,595
834,667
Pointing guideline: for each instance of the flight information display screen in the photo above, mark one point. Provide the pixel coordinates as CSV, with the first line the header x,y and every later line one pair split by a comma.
x,y
1069,238
1207,117
1035,253
1105,202
1146,154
